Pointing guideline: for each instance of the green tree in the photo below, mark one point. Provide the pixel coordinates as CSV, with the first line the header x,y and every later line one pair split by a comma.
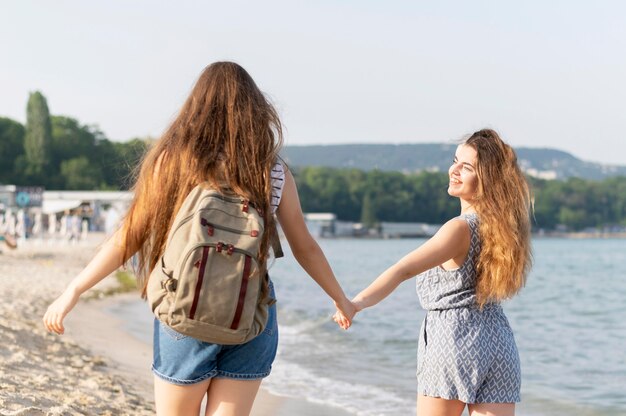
x,y
391,196
329,192
615,191
119,160
368,215
115,161
572,218
80,174
38,137
70,140
11,147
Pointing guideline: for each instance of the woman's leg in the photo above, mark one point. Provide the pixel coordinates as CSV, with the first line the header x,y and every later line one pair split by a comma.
x,y
230,397
492,409
435,406
175,400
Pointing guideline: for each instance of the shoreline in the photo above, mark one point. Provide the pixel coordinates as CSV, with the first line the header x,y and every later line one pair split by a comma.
x,y
135,358
579,235
101,366
542,235
98,367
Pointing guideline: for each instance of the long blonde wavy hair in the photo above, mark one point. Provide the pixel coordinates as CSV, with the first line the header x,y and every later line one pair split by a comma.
x,y
226,133
503,202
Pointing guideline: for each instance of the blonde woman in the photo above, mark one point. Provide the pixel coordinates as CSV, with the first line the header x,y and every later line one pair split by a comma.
x,y
466,353
228,134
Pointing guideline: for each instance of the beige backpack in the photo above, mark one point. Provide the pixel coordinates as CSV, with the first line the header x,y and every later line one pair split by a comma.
x,y
209,284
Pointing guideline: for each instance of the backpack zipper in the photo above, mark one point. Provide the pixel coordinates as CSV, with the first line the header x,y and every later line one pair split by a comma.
x,y
201,270
242,293
205,223
218,196
196,295
214,245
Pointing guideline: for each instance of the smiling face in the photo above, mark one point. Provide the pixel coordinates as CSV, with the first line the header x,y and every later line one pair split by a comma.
x,y
463,177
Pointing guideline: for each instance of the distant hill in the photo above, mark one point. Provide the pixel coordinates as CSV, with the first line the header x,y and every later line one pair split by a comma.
x,y
539,162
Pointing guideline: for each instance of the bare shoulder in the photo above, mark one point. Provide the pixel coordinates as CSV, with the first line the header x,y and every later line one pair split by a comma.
x,y
455,236
289,203
289,179
454,228
283,167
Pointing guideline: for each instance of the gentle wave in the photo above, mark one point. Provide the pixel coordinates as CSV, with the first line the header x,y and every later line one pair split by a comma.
x,y
569,323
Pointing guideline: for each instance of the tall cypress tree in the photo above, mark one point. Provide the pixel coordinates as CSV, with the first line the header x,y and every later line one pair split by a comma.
x,y
38,137
11,147
368,212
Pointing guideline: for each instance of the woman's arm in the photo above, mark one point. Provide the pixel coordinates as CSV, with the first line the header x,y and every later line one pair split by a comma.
x,y
450,242
306,250
106,261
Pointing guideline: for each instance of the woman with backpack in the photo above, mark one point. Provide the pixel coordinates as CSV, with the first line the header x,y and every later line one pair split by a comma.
x,y
229,135
467,354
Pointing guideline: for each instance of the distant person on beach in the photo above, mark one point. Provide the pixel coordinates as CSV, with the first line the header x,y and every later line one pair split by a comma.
x,y
8,240
467,354
6,235
226,133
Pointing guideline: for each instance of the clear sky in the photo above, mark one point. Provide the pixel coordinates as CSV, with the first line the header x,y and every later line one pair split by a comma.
x,y
543,73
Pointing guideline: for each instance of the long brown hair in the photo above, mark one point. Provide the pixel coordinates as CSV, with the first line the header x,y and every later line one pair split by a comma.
x,y
503,202
226,133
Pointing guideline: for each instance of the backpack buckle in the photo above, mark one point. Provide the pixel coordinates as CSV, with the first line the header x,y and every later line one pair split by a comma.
x,y
169,284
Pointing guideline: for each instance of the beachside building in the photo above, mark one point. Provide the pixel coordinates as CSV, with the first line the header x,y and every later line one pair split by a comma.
x,y
103,209
325,225
321,224
407,230
37,211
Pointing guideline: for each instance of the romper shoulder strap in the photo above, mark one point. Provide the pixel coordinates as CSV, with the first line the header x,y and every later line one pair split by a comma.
x,y
472,222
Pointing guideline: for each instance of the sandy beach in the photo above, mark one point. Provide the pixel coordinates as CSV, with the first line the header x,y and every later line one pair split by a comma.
x,y
46,374
97,367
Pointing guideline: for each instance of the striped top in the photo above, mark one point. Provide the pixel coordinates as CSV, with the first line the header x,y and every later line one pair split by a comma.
x,y
278,182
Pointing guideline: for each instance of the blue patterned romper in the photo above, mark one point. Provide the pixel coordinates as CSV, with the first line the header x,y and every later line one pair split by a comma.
x,y
464,353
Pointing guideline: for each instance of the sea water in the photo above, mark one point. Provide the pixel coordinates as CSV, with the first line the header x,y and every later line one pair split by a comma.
x,y
569,323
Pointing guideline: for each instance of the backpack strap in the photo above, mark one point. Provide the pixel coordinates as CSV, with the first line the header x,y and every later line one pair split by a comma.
x,y
276,246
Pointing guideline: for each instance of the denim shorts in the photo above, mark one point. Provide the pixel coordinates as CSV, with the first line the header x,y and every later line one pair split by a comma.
x,y
182,360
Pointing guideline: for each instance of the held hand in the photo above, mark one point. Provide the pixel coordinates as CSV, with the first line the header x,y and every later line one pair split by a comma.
x,y
345,312
53,318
